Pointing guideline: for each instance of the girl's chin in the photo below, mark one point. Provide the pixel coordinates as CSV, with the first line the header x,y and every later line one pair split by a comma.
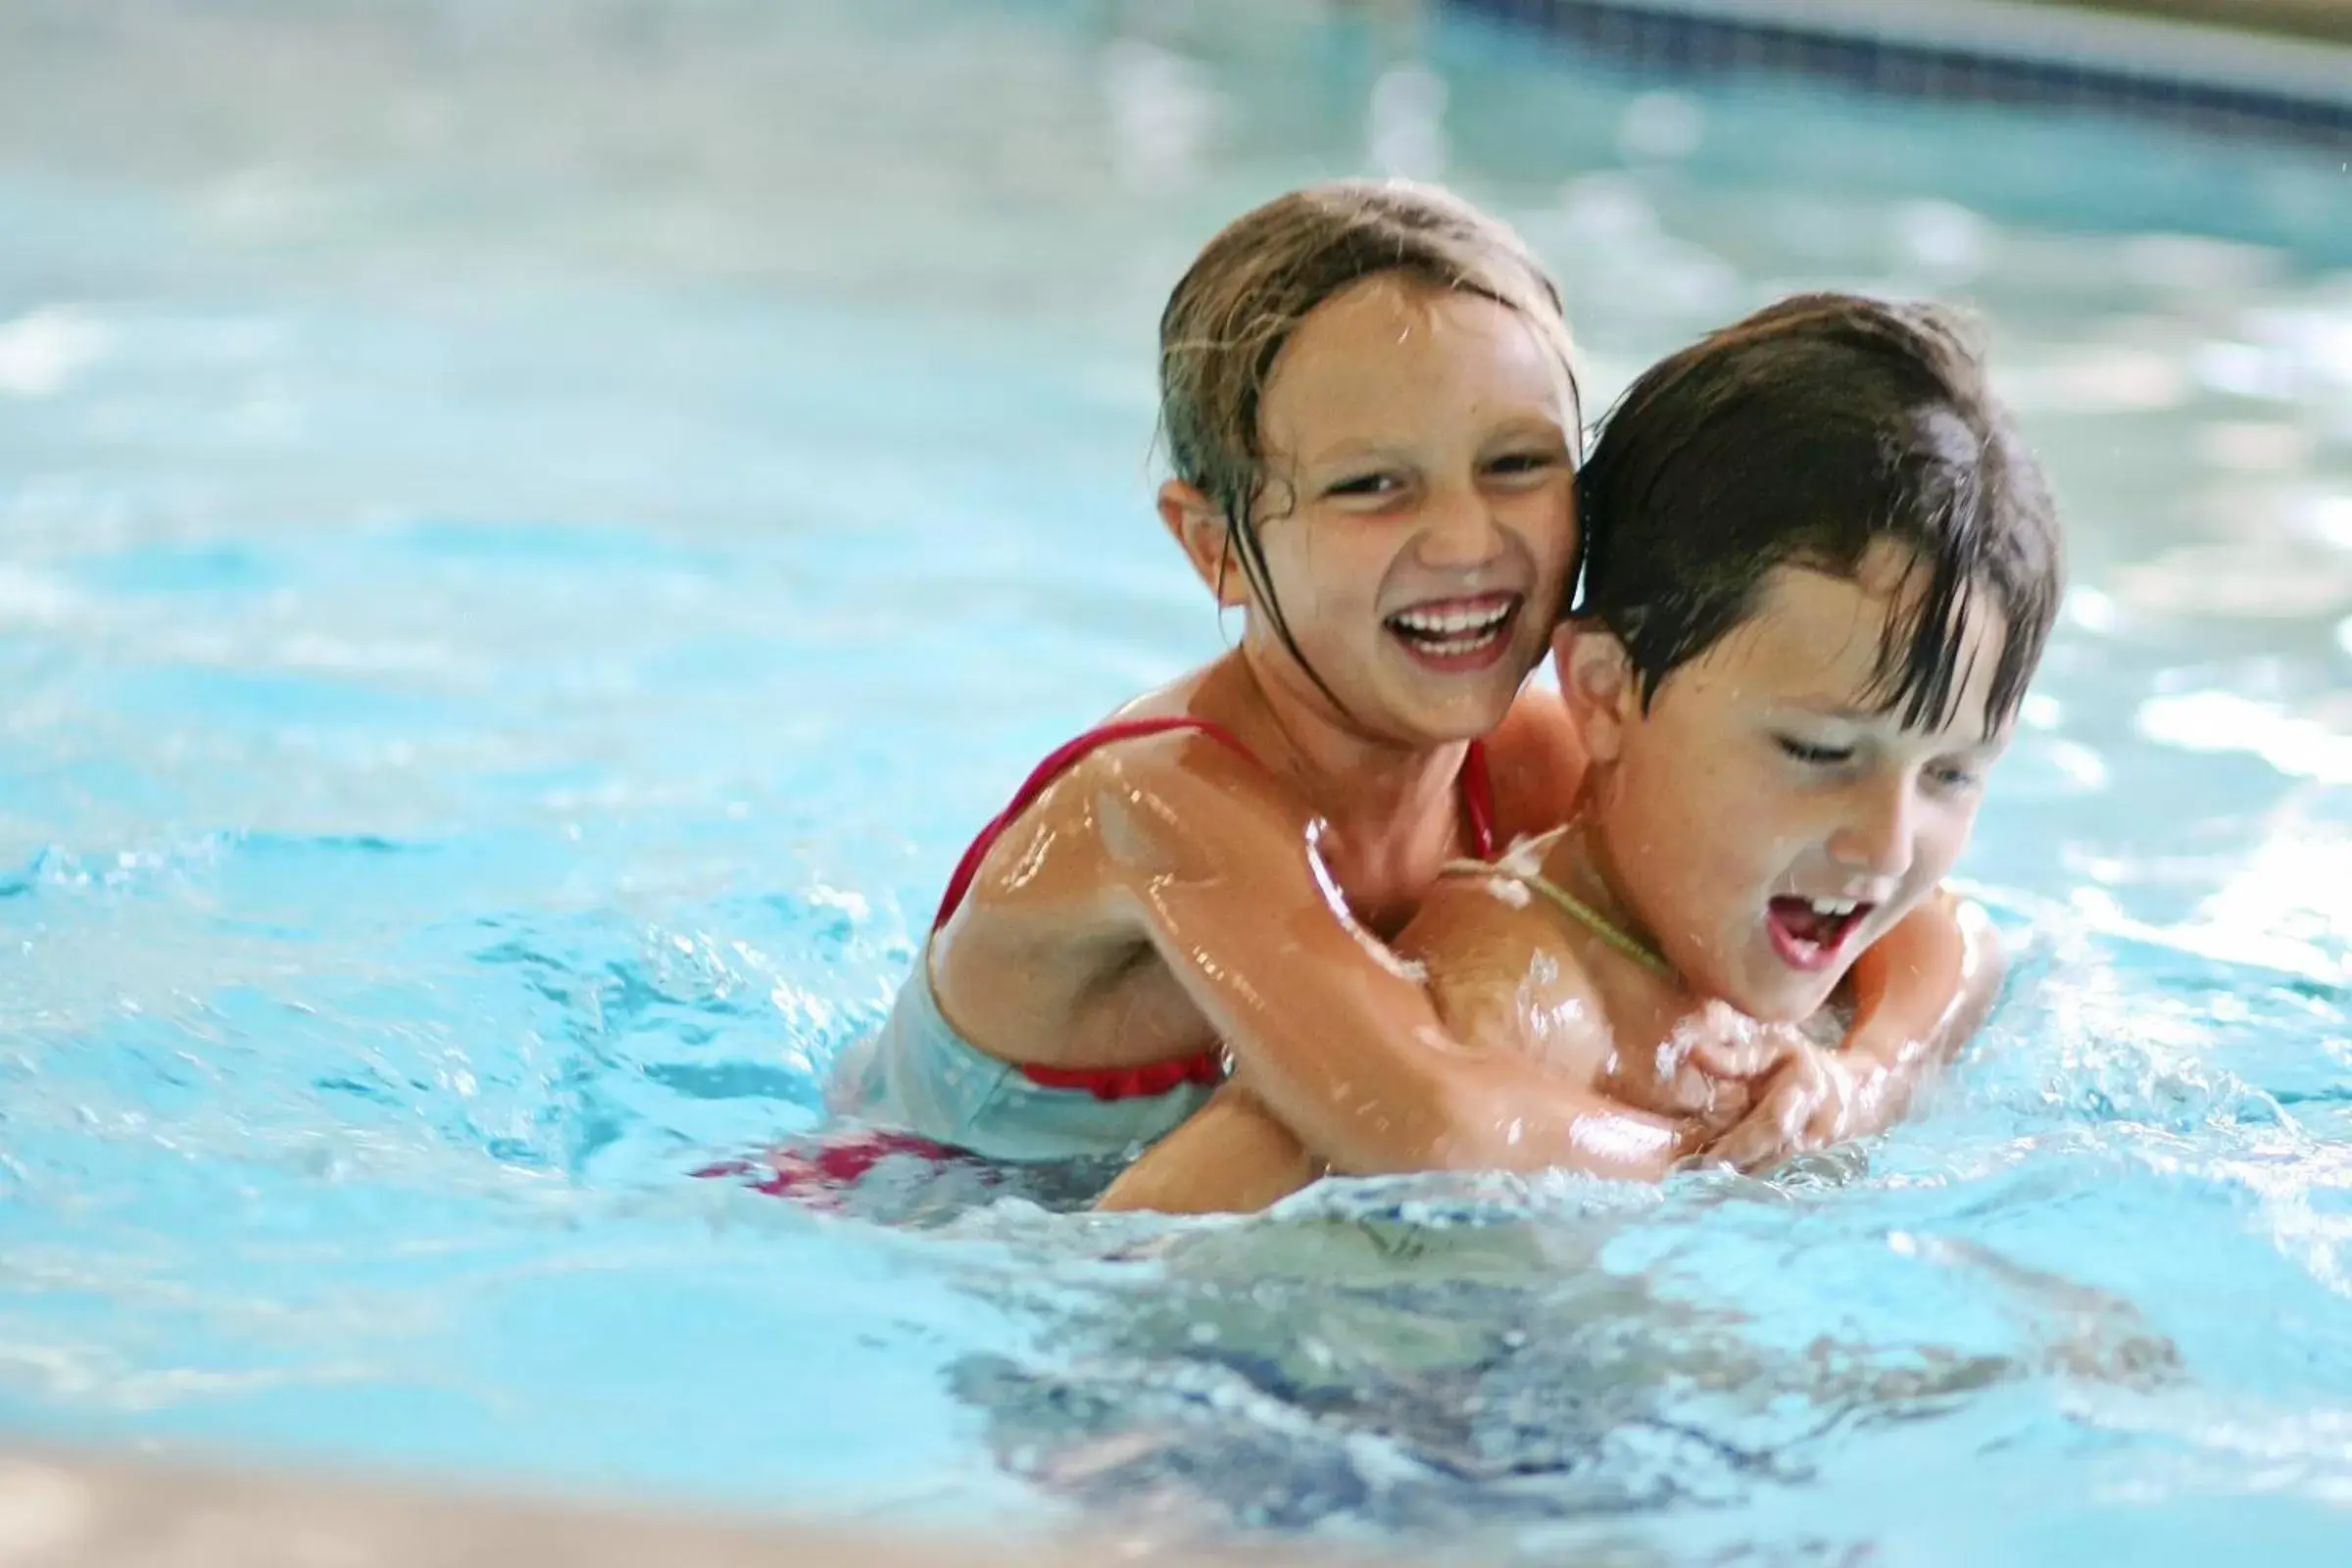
x,y
1465,714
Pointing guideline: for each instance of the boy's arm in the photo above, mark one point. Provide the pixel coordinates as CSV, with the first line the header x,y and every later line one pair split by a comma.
x,y
1919,992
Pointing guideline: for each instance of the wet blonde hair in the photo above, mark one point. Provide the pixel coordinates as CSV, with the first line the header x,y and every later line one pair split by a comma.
x,y
1232,312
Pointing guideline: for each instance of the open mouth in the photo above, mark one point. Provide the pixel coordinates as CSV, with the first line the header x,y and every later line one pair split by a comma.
x,y
1810,933
1457,634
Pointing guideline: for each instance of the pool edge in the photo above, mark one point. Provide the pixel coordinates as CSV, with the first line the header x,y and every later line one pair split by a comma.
x,y
60,1506
2004,51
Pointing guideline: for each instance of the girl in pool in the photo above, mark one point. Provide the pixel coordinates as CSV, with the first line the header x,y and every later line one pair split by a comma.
x,y
1820,571
1369,408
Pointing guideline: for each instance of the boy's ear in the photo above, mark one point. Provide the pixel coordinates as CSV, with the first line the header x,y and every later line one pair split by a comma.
x,y
1200,532
1596,678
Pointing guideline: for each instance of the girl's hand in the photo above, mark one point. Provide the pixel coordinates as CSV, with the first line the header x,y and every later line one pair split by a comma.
x,y
1707,1072
1812,1099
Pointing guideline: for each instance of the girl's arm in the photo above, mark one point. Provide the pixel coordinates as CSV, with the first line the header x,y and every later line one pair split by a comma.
x,y
1485,955
1334,1037
1231,1157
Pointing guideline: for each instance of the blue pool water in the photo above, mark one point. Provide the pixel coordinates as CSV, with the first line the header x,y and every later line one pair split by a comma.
x,y
533,537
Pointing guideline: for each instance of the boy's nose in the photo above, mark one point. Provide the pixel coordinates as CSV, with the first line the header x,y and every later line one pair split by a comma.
x,y
1875,833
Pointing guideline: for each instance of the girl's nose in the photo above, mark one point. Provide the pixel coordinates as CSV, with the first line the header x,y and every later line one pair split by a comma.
x,y
1459,531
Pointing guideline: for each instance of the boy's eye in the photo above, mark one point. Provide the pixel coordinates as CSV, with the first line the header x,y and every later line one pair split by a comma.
x,y
1815,756
1365,484
1519,464
1953,778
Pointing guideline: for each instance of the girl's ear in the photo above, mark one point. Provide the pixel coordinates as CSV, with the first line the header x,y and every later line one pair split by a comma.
x,y
1200,532
1596,678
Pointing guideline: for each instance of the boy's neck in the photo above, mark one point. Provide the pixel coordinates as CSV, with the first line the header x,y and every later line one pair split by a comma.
x,y
1577,860
1578,864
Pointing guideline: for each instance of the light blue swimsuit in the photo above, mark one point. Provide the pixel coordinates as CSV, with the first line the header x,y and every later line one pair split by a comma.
x,y
919,1074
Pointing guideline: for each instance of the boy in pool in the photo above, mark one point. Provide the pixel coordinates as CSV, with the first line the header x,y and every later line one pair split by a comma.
x,y
1820,569
1369,408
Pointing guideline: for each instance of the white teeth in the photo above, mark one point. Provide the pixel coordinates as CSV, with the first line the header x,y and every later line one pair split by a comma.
x,y
1834,909
1472,623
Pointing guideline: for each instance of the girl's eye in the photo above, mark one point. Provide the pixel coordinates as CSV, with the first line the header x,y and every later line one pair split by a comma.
x,y
1814,756
1525,463
1366,484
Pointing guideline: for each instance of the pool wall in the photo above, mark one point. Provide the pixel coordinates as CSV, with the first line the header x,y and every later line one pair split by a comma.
x,y
2328,20
2292,86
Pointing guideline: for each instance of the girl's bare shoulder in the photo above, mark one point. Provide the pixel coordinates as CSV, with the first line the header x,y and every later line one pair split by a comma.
x,y
1536,760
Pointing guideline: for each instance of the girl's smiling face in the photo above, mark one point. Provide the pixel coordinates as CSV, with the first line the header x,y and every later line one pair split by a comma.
x,y
1768,818
1418,516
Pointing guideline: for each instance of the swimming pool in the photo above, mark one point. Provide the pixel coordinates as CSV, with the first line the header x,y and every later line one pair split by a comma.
x,y
533,540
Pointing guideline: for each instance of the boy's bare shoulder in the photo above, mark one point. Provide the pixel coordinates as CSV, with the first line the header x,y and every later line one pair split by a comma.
x,y
1501,971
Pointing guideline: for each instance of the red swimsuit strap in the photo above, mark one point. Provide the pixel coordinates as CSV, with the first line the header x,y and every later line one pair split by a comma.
x,y
1478,801
1057,763
1156,1078
1148,1081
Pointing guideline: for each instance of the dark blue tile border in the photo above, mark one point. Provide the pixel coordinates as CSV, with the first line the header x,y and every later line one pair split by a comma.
x,y
1683,40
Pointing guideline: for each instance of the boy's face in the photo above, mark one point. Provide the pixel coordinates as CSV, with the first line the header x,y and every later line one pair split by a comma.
x,y
1763,822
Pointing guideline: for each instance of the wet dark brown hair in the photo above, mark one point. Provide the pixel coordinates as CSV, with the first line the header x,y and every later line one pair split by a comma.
x,y
1801,436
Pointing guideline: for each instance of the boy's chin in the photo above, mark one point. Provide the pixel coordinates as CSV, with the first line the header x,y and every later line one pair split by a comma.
x,y
1768,990
1792,1001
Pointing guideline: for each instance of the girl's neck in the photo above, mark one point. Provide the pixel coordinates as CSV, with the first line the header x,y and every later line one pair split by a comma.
x,y
1352,779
